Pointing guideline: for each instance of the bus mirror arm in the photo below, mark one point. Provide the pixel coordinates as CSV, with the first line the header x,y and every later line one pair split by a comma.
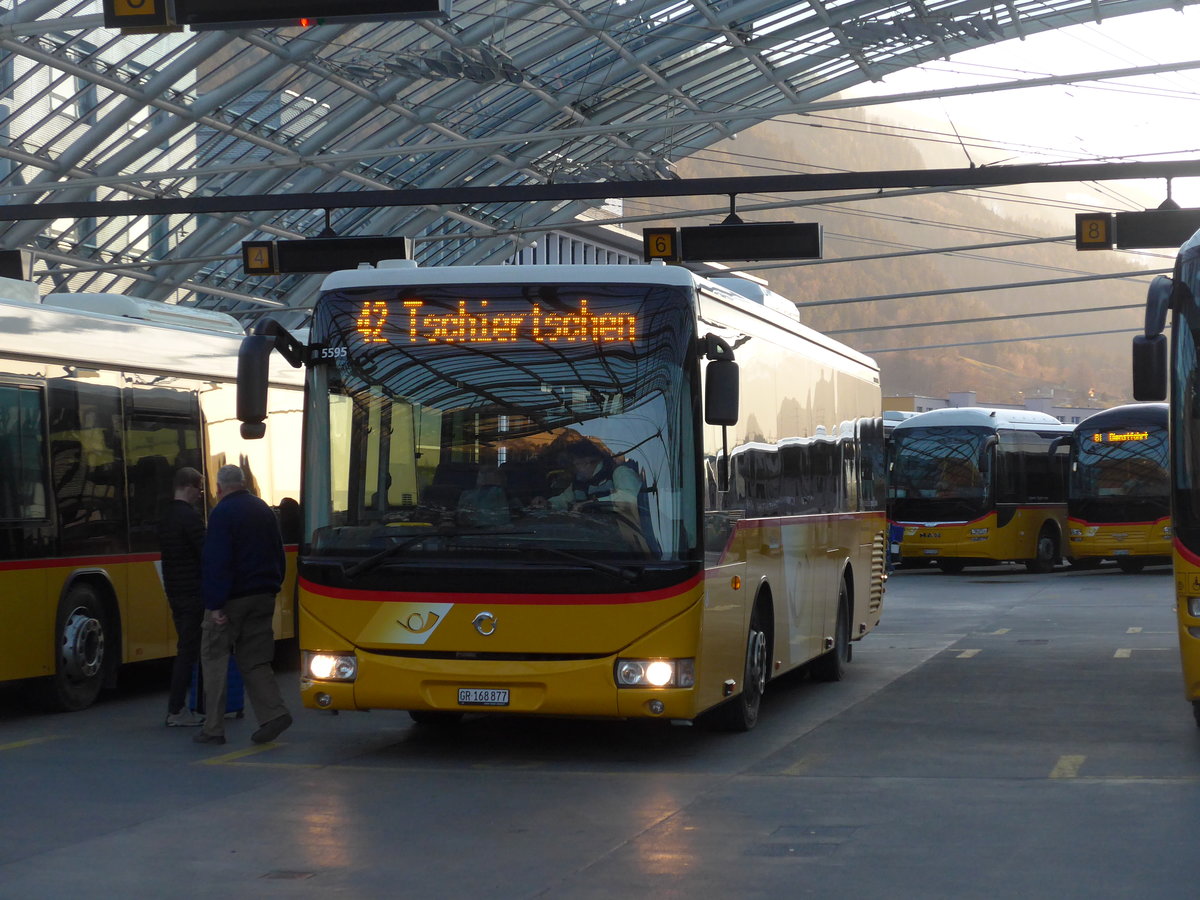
x,y
1150,349
284,341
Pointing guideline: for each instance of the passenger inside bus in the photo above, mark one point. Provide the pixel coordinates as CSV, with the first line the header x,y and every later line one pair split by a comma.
x,y
487,504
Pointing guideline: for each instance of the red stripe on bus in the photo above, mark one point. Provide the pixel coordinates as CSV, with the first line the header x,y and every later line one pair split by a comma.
x,y
85,561
1188,556
77,562
500,599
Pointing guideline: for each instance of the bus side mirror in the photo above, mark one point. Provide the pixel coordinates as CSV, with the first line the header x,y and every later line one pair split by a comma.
x,y
1150,367
253,368
721,392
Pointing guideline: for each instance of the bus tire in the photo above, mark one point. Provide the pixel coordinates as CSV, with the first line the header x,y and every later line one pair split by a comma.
x,y
831,666
1130,566
741,712
951,566
1047,552
82,648
435,717
1196,712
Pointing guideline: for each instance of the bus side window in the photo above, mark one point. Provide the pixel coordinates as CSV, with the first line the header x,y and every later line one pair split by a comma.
x,y
23,448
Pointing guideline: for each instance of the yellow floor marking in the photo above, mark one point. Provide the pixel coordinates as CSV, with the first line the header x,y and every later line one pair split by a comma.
x,y
1001,631
967,654
1067,766
1123,653
1133,631
237,754
17,745
799,767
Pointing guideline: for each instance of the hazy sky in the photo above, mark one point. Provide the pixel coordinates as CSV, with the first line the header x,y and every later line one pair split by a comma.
x,y
1147,118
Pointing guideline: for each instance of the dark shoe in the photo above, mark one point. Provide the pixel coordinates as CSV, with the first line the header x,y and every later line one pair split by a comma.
x,y
203,738
268,731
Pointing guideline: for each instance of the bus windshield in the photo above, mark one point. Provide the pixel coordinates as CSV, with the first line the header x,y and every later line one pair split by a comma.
x,y
1120,475
505,422
940,474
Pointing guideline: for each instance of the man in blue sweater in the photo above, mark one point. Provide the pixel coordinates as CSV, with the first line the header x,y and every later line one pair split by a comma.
x,y
243,570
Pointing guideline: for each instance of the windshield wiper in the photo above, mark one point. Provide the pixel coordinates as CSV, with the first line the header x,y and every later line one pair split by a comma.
x,y
627,575
371,562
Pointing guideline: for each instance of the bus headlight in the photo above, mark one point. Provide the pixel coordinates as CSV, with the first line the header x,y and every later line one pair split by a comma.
x,y
1193,607
655,672
330,666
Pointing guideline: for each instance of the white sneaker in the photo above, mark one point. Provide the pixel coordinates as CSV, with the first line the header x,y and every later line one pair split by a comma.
x,y
185,718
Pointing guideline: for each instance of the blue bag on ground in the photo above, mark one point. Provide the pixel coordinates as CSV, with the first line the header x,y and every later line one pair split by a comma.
x,y
235,694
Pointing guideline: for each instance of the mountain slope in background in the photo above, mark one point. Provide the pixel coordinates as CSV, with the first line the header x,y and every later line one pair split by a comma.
x,y
997,368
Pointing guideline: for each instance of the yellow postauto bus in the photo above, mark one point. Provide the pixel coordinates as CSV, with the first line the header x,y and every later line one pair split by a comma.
x,y
1162,368
973,486
1118,491
102,398
533,489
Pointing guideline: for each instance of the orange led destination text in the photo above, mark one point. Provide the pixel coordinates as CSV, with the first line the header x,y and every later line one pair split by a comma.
x,y
1117,437
483,326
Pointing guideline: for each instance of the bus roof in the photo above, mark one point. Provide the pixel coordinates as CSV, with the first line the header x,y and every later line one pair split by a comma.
x,y
761,302
984,417
52,335
1128,414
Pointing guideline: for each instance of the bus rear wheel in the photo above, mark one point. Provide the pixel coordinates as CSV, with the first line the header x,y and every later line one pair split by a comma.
x,y
1047,552
831,666
80,653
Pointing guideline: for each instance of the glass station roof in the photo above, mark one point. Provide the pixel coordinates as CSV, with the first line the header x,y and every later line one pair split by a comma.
x,y
495,93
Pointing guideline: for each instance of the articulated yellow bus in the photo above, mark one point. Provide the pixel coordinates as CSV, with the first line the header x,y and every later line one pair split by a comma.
x,y
533,490
102,398
976,486
1157,366
1118,491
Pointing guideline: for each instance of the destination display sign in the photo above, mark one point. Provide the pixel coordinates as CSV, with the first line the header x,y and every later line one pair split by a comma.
x,y
412,320
1120,437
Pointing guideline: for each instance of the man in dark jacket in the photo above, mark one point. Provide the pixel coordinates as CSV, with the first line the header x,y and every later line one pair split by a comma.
x,y
181,541
243,571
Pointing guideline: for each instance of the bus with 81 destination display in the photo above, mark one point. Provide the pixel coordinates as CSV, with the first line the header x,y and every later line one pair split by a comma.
x,y
1118,503
552,490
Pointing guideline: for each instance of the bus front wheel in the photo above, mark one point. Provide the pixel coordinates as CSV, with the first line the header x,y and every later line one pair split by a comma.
x,y
80,653
1047,552
741,712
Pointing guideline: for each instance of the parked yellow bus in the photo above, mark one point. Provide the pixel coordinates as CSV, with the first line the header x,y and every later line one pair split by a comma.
x,y
973,486
519,498
102,398
1162,368
1118,491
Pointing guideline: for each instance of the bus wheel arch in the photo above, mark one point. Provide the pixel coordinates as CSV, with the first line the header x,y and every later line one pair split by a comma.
x,y
87,645
1048,549
740,712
